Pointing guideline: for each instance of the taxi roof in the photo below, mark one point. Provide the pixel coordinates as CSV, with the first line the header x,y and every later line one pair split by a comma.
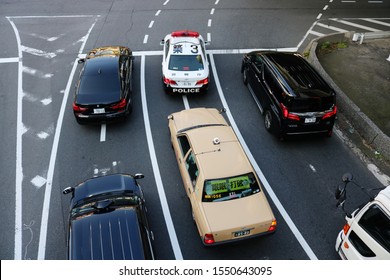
x,y
219,153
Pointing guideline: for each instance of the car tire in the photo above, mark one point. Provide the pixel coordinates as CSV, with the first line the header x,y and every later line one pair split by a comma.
x,y
245,75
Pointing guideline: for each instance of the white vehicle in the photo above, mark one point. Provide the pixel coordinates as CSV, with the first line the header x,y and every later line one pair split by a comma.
x,y
185,68
366,235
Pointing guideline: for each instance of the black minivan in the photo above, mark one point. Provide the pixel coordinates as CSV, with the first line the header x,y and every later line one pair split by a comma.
x,y
107,220
290,93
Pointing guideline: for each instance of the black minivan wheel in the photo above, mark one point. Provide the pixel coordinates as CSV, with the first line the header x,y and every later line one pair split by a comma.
x,y
269,122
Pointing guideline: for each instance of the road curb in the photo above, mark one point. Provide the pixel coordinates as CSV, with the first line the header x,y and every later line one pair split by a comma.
x,y
363,125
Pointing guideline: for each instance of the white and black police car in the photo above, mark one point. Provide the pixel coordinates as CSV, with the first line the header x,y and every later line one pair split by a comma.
x,y
185,68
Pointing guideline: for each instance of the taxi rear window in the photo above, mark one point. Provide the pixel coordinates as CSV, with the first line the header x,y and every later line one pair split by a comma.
x,y
230,188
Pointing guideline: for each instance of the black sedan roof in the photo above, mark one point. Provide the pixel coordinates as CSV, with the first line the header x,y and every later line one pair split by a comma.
x,y
111,235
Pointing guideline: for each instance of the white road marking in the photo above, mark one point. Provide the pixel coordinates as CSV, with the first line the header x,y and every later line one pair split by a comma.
x,y
209,37
212,11
9,60
151,24
38,181
319,16
376,21
47,38
53,156
43,135
166,2
316,33
216,2
156,170
209,22
146,39
37,73
38,52
312,168
267,186
158,12
325,8
331,27
46,101
19,168
185,101
355,24
103,132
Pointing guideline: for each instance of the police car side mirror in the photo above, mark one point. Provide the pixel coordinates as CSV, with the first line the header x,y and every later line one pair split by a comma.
x,y
206,43
162,42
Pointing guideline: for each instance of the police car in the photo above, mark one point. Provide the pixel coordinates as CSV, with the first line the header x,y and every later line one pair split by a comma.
x,y
185,68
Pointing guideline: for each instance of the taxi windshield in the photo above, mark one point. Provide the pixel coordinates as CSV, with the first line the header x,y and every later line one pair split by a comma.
x,y
186,62
230,188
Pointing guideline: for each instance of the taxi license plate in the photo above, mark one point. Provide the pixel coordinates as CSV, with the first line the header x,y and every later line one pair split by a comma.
x,y
99,111
241,233
310,120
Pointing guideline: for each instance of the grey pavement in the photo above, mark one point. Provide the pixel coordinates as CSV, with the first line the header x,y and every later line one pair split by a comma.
x,y
358,68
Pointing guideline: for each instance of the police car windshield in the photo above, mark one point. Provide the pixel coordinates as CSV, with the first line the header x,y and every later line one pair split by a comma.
x,y
230,188
186,63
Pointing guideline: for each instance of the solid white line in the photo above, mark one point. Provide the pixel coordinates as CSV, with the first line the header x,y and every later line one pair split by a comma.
x,y
19,167
185,101
9,60
156,170
222,51
63,16
103,132
53,156
262,178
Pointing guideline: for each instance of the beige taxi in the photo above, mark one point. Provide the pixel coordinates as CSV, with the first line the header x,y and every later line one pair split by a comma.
x,y
226,196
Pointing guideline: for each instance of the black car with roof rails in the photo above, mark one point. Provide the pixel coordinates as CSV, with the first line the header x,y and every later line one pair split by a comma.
x,y
107,220
290,93
104,88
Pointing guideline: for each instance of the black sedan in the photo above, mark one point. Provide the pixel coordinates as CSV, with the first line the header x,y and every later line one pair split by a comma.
x,y
107,220
104,88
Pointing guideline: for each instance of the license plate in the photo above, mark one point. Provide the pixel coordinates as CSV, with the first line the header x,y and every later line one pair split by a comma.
x,y
99,111
186,84
241,233
310,120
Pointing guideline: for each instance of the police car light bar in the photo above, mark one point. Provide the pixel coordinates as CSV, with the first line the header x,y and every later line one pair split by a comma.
x,y
185,33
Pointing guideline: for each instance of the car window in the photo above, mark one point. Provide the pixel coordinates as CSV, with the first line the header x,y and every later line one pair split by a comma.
x,y
360,246
166,48
377,224
186,62
184,144
230,188
192,168
273,85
